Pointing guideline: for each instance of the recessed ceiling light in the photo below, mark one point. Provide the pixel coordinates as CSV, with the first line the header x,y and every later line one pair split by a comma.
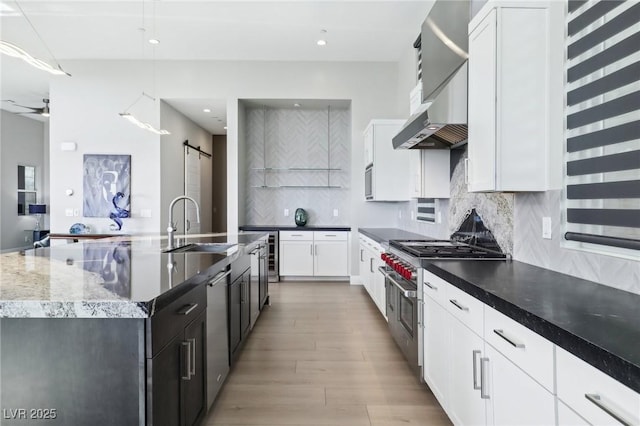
x,y
432,127
206,110
154,41
296,105
321,42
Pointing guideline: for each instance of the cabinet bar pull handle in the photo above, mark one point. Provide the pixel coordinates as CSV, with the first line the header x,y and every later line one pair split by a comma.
x,y
431,286
361,253
296,235
466,171
475,370
188,358
187,309
193,357
311,247
598,401
370,264
510,341
458,305
483,378
316,249
219,276
330,235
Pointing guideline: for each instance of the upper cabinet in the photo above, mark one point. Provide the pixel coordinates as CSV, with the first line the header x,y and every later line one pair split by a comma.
x,y
509,57
387,175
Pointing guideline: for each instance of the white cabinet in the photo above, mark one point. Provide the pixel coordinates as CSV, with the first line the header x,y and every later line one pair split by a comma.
x,y
389,172
598,398
466,404
296,253
513,397
314,254
475,382
508,110
372,279
436,349
429,172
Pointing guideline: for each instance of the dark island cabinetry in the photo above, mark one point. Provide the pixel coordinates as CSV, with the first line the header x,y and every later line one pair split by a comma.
x,y
239,305
176,370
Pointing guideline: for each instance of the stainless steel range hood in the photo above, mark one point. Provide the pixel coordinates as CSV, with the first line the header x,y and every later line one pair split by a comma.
x,y
441,122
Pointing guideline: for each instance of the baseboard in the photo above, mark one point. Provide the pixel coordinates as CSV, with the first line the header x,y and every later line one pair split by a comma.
x,y
355,280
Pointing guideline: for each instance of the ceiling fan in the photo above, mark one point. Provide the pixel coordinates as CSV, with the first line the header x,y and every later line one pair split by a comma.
x,y
43,111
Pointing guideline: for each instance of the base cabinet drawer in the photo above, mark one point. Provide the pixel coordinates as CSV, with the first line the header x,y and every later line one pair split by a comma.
x,y
595,396
568,417
525,348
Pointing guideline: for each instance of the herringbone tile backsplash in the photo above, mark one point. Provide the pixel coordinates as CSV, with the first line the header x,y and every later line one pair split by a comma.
x,y
282,139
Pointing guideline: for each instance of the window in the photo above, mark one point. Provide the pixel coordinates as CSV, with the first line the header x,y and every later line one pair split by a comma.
x,y
603,126
26,188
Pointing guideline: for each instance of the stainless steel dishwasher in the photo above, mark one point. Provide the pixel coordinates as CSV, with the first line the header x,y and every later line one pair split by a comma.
x,y
217,334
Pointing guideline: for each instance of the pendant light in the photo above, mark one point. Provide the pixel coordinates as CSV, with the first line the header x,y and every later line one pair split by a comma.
x,y
14,51
126,114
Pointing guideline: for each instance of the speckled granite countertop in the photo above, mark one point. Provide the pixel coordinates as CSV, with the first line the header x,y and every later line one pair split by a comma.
x,y
598,324
124,277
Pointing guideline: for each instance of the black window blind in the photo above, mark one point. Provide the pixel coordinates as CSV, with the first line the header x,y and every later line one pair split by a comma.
x,y
603,123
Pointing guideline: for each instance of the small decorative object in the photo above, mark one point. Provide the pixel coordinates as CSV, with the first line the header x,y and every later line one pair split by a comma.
x,y
301,217
120,213
79,228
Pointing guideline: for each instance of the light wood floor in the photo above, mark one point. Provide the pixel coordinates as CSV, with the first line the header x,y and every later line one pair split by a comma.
x,y
321,354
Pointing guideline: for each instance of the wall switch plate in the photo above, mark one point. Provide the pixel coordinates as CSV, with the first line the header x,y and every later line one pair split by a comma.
x,y
286,212
546,228
68,212
145,213
438,217
335,212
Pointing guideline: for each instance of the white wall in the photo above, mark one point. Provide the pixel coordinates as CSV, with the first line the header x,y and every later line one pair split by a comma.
x,y
22,142
172,166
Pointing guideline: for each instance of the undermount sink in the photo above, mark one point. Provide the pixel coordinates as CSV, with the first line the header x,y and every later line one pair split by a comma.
x,y
202,248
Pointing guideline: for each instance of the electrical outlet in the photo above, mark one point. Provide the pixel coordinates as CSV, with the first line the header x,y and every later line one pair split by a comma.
x,y
546,228
145,213
286,212
68,212
335,212
438,217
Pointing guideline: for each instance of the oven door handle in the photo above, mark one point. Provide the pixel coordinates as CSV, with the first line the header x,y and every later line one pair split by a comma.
x,y
409,293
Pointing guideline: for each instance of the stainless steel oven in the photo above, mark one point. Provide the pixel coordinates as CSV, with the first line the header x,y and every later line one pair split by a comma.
x,y
402,312
368,182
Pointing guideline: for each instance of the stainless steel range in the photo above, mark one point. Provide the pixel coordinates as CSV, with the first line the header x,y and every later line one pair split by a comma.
x,y
403,272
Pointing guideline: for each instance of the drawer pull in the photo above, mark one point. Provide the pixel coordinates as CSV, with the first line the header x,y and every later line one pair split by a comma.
x,y
483,378
458,305
296,235
186,310
510,341
192,372
475,370
431,286
219,276
188,358
598,401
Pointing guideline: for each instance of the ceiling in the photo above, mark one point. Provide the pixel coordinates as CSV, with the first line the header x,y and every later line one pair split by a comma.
x,y
356,30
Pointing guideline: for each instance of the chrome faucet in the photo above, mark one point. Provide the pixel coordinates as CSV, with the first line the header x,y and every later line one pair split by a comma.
x,y
171,228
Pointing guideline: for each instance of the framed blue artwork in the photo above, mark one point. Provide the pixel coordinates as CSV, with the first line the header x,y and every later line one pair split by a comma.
x,y
107,186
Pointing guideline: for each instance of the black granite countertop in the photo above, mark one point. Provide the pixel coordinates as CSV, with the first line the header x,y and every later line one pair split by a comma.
x,y
122,277
598,324
268,228
384,235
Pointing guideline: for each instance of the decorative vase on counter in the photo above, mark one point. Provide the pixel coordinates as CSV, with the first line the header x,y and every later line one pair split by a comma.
x,y
301,217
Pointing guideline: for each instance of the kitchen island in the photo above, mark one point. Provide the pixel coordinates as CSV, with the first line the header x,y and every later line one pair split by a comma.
x,y
108,332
